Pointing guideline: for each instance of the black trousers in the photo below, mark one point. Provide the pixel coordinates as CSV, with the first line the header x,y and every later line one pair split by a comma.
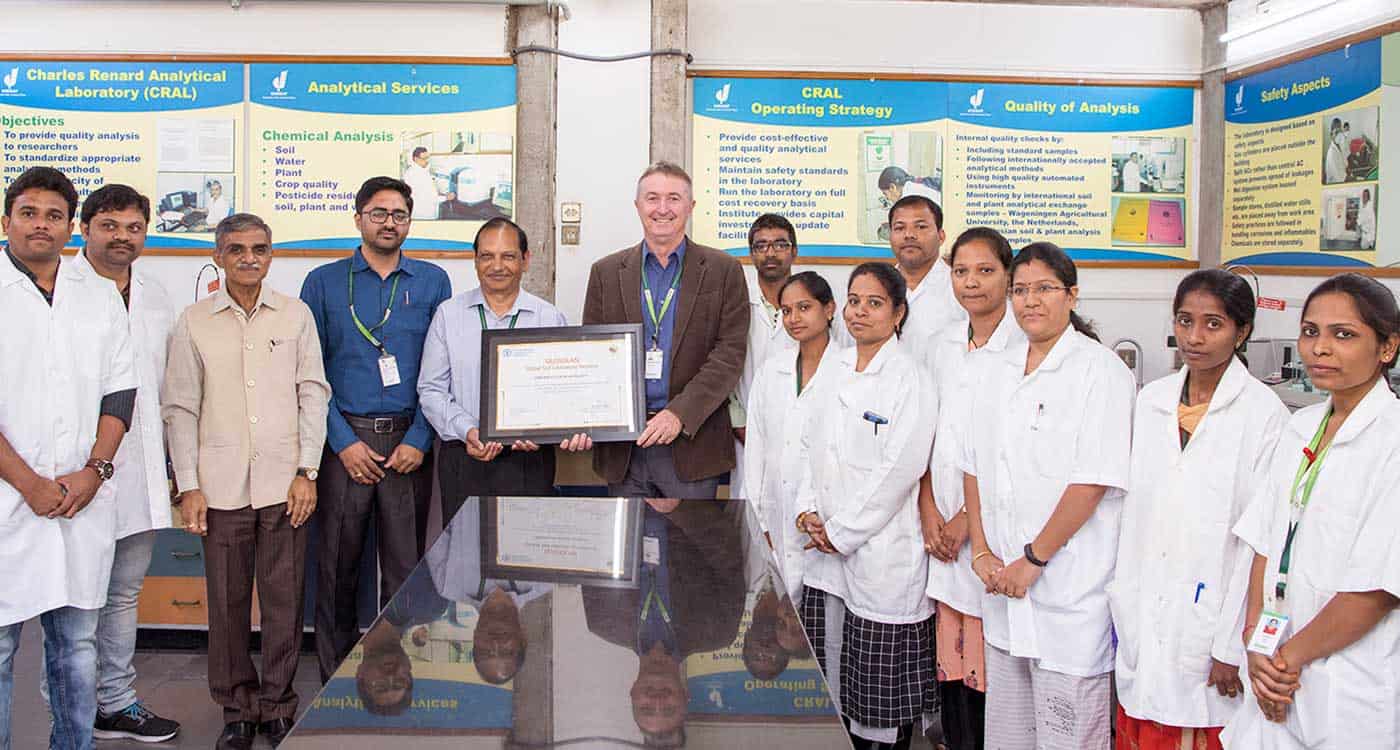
x,y
963,714
522,473
398,505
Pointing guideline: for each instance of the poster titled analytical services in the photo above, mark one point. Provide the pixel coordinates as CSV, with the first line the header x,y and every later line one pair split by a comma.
x,y
317,131
1304,178
171,130
1103,171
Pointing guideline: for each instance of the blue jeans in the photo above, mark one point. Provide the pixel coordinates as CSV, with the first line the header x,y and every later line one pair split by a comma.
x,y
116,625
70,663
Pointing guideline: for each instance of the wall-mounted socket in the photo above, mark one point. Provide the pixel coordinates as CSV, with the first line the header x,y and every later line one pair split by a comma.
x,y
568,234
570,213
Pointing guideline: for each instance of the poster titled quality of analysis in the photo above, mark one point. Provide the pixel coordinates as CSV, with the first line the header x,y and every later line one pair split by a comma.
x,y
293,150
1304,177
1103,171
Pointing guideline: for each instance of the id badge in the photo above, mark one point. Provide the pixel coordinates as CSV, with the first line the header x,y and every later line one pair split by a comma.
x,y
651,550
389,370
1267,633
655,358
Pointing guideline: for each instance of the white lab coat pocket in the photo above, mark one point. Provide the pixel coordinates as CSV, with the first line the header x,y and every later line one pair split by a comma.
x,y
860,443
1052,450
1199,624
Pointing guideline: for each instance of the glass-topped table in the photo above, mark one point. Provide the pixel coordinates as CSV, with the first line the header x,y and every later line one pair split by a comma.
x,y
583,622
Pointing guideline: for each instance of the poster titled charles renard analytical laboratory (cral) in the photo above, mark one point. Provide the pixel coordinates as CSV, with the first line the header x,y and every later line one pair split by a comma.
x,y
1103,171
1304,170
293,150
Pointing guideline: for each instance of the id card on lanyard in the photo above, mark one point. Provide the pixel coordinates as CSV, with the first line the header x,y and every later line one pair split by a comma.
x,y
388,363
655,358
1273,621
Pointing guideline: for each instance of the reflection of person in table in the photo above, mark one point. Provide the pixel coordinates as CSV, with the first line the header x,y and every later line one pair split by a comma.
x,y
764,654
454,562
691,600
384,678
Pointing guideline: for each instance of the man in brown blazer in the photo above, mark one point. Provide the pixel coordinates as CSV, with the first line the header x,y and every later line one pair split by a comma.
x,y
692,302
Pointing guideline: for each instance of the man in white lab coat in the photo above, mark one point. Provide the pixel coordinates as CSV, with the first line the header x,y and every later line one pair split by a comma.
x,y
114,220
426,198
1131,174
773,249
69,395
1366,221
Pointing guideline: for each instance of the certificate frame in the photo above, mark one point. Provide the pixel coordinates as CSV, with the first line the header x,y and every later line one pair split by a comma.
x,y
625,538
628,337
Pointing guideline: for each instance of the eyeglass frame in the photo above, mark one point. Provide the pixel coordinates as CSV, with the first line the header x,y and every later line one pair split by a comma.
x,y
1039,291
387,214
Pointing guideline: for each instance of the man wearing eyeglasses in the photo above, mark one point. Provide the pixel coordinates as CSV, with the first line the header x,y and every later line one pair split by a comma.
x,y
372,311
773,249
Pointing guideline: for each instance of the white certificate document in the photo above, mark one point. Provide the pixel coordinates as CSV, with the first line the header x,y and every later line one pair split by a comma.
x,y
583,535
564,385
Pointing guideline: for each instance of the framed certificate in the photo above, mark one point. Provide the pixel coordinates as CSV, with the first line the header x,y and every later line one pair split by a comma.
x,y
592,541
546,384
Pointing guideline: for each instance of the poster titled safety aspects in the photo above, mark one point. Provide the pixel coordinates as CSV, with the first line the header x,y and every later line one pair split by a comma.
x,y
1303,172
1103,171
293,149
172,130
317,131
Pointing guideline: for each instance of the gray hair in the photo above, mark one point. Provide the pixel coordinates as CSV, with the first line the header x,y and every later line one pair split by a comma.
x,y
670,169
239,223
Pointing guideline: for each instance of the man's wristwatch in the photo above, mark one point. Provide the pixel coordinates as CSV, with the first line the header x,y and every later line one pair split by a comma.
x,y
102,466
308,473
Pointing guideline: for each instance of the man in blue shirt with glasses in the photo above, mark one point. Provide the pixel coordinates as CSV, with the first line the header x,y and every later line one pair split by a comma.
x,y
372,311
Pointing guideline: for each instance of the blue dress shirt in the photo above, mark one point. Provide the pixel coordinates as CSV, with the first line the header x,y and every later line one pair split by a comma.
x,y
660,280
449,383
352,362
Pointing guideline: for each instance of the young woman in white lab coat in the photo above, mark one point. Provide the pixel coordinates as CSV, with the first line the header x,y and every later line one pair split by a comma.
x,y
867,447
1201,439
785,384
1326,535
981,269
1046,462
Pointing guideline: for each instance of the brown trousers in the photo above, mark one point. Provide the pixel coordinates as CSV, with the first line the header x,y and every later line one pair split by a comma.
x,y
243,544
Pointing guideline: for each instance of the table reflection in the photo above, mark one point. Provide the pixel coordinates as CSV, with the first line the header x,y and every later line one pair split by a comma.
x,y
583,622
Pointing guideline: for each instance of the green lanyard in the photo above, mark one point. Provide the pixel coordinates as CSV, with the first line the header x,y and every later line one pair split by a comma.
x,y
1306,477
799,373
481,311
652,596
665,304
368,333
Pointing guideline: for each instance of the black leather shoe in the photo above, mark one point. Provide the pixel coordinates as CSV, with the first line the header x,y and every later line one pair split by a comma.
x,y
237,735
275,730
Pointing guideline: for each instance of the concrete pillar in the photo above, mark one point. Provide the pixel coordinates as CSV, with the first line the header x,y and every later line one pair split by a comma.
x,y
668,84
1211,181
536,115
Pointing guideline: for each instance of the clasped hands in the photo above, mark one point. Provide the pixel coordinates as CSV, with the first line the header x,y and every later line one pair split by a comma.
x,y
1012,580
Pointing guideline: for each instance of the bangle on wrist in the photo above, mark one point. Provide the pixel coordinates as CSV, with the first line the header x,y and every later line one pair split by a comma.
x,y
980,555
1031,558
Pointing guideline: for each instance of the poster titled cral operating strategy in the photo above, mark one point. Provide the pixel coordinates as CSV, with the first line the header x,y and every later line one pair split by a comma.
x,y
293,149
1103,171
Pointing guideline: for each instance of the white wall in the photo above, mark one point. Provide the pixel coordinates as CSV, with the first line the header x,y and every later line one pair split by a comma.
x,y
258,27
946,38
1318,27
604,132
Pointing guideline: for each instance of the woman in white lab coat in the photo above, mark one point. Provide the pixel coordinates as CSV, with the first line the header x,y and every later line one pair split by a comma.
x,y
1046,462
1334,162
1334,681
782,389
1201,439
868,445
981,269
